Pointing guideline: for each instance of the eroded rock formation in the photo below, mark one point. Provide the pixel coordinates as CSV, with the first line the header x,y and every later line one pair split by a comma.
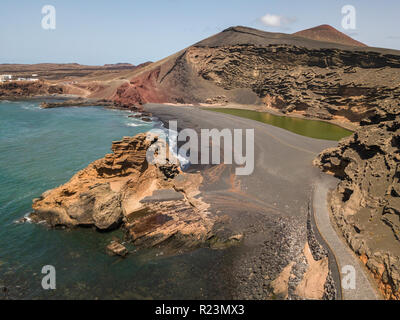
x,y
327,83
153,203
366,203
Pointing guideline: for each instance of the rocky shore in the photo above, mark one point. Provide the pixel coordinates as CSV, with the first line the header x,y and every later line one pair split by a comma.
x,y
366,203
79,102
88,102
156,205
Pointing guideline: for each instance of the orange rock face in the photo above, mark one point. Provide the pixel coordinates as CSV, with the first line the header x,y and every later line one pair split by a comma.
x,y
152,203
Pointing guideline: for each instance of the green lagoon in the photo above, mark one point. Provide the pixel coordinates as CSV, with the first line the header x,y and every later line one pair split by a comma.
x,y
309,128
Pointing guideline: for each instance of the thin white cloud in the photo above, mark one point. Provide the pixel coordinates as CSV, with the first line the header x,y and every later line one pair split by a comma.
x,y
272,20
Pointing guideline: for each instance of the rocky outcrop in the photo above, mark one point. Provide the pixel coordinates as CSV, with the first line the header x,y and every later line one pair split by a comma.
x,y
27,89
310,285
80,102
366,203
155,204
116,249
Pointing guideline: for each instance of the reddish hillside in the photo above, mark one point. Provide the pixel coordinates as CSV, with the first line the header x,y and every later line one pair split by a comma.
x,y
329,34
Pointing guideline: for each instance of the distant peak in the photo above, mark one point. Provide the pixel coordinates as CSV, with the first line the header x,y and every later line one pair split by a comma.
x,y
238,29
322,27
325,27
328,33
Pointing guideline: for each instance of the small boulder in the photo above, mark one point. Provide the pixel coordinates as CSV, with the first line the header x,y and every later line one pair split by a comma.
x,y
116,249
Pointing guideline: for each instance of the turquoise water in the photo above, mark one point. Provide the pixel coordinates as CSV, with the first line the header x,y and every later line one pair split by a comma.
x,y
41,149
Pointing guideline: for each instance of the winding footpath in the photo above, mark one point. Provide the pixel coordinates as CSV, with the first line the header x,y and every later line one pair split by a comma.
x,y
364,289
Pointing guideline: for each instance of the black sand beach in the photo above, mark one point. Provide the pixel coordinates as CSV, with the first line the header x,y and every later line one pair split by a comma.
x,y
269,207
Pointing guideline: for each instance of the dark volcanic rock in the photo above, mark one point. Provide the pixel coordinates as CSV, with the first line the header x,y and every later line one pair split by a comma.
x,y
76,103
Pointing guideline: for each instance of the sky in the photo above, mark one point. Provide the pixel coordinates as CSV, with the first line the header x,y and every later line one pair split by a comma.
x,y
102,31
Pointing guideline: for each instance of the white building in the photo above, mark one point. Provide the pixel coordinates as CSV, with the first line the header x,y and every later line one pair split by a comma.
x,y
9,77
5,77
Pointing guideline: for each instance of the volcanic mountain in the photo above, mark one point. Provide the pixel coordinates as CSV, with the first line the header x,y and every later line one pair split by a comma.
x,y
329,34
289,73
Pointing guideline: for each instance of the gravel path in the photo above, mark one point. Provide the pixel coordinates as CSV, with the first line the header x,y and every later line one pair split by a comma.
x,y
364,288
